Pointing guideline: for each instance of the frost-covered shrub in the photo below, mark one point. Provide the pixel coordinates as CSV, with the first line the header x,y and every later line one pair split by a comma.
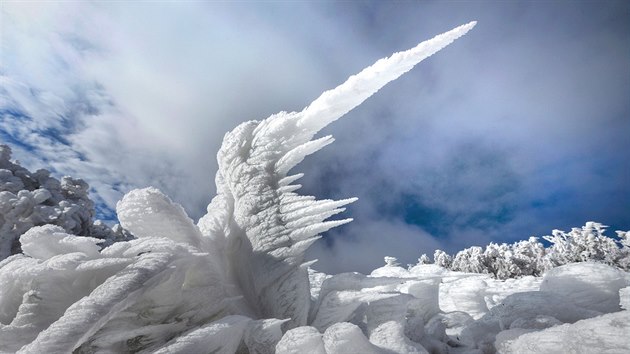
x,y
29,199
442,259
587,243
470,260
623,261
424,259
530,257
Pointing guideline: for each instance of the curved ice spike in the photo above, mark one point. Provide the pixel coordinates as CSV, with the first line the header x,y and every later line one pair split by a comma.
x,y
333,104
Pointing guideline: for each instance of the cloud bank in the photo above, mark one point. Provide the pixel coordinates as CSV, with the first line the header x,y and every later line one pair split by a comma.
x,y
516,130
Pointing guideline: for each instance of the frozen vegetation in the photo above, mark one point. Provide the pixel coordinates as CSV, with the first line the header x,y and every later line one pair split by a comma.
x,y
237,280
530,257
30,199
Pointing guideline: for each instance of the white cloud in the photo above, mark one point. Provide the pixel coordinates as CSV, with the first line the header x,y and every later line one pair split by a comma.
x,y
141,94
363,247
165,82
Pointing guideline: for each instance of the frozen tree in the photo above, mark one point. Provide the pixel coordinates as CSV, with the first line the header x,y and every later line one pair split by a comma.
x,y
499,261
471,260
442,259
30,199
235,280
424,259
530,257
587,243
623,260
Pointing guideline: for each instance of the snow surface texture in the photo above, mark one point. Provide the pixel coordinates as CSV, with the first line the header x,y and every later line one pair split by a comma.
x,y
30,199
236,281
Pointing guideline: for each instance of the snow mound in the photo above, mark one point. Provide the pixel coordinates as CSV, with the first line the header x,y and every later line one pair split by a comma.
x,y
300,340
530,305
624,298
590,285
466,295
605,334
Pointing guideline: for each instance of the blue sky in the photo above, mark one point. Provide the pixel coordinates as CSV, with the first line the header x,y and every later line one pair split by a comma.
x,y
518,128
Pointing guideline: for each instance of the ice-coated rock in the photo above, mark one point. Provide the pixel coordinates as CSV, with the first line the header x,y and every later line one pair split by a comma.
x,y
221,337
300,340
262,336
149,213
344,337
44,242
504,339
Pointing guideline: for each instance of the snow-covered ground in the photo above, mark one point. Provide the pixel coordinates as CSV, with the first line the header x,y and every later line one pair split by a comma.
x,y
575,308
155,294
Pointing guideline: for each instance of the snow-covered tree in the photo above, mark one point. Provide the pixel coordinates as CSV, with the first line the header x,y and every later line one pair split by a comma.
x,y
471,260
623,260
587,243
530,257
498,260
30,199
442,259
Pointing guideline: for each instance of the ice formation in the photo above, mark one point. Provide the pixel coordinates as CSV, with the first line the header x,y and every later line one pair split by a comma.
x,y
237,281
179,284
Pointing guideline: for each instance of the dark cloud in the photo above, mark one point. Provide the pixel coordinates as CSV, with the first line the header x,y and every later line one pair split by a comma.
x,y
513,131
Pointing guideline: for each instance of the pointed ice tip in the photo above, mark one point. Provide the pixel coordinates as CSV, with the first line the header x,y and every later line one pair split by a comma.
x,y
469,25
335,103
465,28
307,264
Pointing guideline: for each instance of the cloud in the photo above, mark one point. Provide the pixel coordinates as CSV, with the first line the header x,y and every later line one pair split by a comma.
x,y
363,247
514,130
149,91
